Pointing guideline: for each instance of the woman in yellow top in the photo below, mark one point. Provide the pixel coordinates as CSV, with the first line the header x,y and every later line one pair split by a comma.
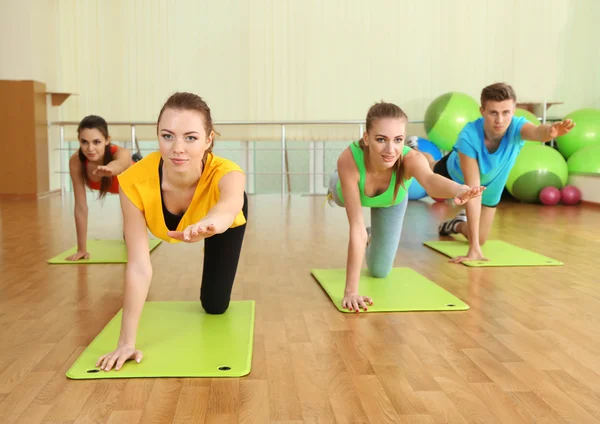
x,y
182,193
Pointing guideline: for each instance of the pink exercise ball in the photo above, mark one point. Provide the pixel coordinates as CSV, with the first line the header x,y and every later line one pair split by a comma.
x,y
550,195
571,195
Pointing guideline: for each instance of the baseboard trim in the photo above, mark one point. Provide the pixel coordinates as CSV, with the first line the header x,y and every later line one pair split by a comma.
x,y
589,185
590,203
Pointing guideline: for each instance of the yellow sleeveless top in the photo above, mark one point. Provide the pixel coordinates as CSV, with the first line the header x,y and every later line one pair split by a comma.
x,y
141,184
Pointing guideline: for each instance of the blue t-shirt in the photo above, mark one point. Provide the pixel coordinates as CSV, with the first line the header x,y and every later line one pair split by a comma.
x,y
493,167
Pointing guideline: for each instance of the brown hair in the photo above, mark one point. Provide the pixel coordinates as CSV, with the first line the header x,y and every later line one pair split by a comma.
x,y
384,110
190,101
497,92
96,122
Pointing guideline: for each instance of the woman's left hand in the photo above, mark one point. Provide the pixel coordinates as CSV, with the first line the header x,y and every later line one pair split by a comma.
x,y
467,193
194,232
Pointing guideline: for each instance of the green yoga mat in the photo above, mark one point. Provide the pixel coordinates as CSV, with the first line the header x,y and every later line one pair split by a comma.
x,y
402,290
178,339
101,252
498,252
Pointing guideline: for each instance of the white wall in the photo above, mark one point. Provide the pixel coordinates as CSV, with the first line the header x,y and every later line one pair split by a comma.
x,y
285,59
28,42
16,44
29,50
589,185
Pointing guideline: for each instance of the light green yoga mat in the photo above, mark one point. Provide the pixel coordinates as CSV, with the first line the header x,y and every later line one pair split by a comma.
x,y
178,339
402,290
101,252
498,252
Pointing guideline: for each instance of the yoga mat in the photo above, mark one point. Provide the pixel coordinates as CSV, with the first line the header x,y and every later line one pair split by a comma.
x,y
402,290
498,252
178,339
101,252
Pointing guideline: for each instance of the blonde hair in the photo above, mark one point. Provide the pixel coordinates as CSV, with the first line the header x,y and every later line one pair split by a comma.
x,y
384,110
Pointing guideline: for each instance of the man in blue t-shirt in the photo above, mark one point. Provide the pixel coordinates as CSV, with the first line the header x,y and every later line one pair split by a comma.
x,y
484,154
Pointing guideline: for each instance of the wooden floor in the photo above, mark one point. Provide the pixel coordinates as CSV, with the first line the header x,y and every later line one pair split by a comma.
x,y
528,350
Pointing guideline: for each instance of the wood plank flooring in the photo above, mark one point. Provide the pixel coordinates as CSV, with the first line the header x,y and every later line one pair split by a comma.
x,y
528,350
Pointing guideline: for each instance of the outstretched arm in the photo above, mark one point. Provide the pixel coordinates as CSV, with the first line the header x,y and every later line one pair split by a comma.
x,y
222,214
545,132
416,165
138,275
121,161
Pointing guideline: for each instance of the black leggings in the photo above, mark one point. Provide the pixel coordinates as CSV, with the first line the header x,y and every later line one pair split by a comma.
x,y
221,257
441,167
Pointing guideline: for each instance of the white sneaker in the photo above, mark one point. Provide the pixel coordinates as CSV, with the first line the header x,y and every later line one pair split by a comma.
x,y
449,227
412,141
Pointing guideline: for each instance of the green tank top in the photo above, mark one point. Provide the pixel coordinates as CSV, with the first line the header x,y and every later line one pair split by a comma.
x,y
384,199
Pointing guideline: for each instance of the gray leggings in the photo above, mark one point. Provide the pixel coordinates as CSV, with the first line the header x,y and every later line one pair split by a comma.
x,y
386,228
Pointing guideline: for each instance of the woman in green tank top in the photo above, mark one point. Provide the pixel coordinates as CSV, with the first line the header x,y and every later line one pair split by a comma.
x,y
375,172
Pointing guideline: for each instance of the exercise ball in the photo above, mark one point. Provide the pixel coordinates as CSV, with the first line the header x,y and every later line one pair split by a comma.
x,y
571,195
537,166
550,195
446,116
527,115
586,131
519,112
585,160
416,191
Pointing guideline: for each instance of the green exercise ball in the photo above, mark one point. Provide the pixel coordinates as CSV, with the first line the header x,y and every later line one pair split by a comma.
x,y
446,116
527,115
585,160
585,132
537,166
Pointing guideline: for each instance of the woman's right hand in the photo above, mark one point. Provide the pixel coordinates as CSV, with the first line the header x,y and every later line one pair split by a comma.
x,y
103,171
355,301
118,357
466,193
474,254
78,255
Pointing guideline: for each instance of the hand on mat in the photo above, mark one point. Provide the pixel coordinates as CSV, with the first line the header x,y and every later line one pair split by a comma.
x,y
355,301
472,255
561,128
103,171
466,193
78,255
118,358
194,233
